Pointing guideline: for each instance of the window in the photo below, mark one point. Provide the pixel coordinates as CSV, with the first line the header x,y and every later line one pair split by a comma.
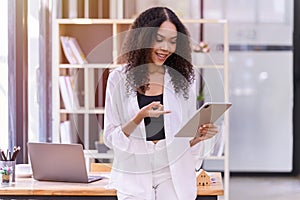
x,y
33,70
4,74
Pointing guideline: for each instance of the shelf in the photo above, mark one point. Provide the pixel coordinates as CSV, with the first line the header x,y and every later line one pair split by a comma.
x,y
89,66
204,21
209,66
83,111
129,21
91,153
94,21
215,158
111,66
91,81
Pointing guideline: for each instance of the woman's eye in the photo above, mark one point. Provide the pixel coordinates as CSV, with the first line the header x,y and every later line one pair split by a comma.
x,y
173,42
158,40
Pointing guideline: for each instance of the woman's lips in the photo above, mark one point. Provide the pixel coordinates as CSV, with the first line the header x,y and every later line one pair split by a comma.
x,y
161,57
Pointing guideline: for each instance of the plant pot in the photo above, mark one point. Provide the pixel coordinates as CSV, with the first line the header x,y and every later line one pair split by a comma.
x,y
6,179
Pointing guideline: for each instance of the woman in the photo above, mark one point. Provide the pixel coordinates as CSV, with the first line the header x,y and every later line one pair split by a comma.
x,y
148,99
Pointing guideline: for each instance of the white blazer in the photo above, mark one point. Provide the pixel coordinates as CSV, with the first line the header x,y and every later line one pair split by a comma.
x,y
131,172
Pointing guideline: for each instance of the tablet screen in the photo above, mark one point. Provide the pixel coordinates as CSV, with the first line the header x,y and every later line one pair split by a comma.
x,y
208,113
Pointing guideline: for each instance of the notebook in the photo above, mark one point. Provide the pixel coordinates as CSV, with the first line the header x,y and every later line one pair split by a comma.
x,y
59,162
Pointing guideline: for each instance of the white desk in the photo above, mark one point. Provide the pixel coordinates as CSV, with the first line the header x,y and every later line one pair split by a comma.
x,y
91,155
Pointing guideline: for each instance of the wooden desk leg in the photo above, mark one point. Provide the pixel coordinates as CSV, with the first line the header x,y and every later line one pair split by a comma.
x,y
207,198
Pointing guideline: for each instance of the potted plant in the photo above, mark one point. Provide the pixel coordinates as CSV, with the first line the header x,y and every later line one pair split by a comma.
x,y
200,97
202,47
6,172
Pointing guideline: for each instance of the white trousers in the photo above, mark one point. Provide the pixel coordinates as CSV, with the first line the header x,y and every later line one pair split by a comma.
x,y
163,191
162,184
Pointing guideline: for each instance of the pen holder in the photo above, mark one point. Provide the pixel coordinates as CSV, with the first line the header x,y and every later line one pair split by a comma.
x,y
7,170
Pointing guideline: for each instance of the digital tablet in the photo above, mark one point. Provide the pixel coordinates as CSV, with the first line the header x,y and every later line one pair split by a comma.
x,y
208,113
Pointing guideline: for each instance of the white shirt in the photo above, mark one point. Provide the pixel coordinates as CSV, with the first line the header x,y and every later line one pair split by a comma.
x,y
131,172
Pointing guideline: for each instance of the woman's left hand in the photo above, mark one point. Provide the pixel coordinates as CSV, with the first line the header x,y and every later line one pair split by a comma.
x,y
204,132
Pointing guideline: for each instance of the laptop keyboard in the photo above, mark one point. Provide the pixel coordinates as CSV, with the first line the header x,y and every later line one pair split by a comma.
x,y
94,178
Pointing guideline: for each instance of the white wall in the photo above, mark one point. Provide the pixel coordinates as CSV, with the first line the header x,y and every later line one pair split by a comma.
x,y
261,84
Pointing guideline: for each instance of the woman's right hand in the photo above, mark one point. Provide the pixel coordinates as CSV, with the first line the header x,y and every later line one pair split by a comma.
x,y
154,109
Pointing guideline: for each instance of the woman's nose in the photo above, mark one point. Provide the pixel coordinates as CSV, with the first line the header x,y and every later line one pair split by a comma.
x,y
164,46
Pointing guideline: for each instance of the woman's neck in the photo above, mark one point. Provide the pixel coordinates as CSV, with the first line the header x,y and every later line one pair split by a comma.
x,y
152,69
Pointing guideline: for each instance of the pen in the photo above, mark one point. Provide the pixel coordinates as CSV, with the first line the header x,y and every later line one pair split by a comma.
x,y
15,153
8,155
3,155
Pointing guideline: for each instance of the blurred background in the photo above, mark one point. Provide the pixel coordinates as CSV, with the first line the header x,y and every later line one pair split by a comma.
x,y
262,66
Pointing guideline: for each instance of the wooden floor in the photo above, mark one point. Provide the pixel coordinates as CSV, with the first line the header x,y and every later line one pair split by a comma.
x,y
264,188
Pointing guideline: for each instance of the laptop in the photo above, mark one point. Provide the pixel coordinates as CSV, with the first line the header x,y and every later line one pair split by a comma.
x,y
59,162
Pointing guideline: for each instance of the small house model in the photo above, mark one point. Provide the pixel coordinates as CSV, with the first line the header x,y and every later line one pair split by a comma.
x,y
203,178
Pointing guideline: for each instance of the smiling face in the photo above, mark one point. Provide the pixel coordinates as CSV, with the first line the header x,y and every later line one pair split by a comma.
x,y
165,43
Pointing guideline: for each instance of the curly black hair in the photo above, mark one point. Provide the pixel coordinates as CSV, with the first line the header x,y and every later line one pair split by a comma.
x,y
136,51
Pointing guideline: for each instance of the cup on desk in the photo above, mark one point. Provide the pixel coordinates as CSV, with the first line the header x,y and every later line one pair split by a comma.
x,y
23,171
7,170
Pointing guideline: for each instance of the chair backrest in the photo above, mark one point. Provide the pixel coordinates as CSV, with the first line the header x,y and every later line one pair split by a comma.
x,y
101,167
